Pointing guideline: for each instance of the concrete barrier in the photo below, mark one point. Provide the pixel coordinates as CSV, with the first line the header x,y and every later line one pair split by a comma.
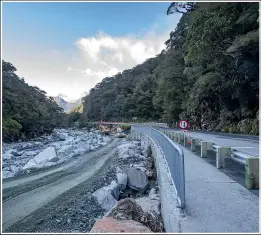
x,y
170,212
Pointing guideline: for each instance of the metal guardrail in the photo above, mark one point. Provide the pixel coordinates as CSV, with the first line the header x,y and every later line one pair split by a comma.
x,y
222,152
236,155
174,157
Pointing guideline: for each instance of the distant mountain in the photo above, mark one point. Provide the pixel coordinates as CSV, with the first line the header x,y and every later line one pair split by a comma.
x,y
64,97
61,102
64,102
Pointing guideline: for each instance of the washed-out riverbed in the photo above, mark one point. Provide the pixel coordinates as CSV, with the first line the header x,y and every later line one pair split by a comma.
x,y
62,182
49,150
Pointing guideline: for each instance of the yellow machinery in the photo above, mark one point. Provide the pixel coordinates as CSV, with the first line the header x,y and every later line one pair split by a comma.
x,y
105,130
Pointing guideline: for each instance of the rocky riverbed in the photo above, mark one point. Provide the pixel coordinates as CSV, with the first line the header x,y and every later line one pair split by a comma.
x,y
128,174
49,150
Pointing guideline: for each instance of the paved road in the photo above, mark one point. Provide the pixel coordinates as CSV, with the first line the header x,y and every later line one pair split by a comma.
x,y
215,202
241,143
25,195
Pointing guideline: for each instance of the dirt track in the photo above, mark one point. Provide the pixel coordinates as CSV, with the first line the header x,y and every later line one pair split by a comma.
x,y
28,202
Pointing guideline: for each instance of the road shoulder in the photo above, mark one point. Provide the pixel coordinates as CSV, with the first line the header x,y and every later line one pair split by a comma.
x,y
215,202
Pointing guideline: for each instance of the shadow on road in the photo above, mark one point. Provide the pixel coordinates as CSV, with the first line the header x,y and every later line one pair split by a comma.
x,y
233,169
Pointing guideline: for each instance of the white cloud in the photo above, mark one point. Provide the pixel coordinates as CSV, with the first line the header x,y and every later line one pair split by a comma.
x,y
106,55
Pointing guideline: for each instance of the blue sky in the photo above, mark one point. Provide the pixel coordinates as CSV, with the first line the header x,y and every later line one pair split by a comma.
x,y
74,45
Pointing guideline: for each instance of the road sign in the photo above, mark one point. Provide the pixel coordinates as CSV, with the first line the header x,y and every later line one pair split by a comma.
x,y
183,124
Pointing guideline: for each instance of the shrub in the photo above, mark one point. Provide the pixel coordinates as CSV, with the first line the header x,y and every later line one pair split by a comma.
x,y
11,129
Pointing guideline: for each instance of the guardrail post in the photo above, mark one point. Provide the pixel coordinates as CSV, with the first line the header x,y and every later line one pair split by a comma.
x,y
172,135
180,136
252,173
194,142
222,153
185,139
203,149
175,136
209,145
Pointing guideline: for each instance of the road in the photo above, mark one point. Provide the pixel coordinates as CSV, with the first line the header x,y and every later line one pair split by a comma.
x,y
215,202
25,195
243,143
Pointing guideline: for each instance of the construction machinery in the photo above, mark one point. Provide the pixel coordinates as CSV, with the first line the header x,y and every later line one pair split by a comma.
x,y
105,130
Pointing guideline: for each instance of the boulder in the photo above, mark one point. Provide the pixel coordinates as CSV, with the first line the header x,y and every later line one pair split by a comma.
x,y
65,150
122,180
114,188
111,225
137,179
62,136
104,198
16,152
41,159
7,156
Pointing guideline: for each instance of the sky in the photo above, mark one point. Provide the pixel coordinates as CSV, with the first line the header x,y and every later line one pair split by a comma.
x,y
68,47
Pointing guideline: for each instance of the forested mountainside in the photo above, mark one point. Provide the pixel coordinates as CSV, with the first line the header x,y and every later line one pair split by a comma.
x,y
208,73
26,111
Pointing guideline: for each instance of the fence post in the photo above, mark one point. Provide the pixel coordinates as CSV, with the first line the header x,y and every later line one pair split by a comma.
x,y
222,153
252,173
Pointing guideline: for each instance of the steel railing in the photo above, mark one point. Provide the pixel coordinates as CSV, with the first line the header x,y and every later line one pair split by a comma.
x,y
236,155
174,157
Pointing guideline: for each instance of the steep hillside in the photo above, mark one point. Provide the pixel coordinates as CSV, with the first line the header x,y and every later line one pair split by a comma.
x,y
208,74
27,111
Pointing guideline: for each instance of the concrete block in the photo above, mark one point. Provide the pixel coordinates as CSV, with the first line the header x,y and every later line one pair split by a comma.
x,y
222,153
252,173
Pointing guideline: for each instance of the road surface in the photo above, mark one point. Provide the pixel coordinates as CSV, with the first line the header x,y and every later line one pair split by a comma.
x,y
215,202
23,196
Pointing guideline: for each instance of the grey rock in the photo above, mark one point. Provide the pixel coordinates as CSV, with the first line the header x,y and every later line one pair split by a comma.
x,y
115,189
17,153
62,136
104,198
137,179
122,180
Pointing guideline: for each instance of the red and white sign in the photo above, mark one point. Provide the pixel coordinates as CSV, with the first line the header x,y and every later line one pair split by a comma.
x,y
183,124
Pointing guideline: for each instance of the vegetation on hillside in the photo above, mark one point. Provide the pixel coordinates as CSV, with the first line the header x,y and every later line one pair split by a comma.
x,y
208,74
27,111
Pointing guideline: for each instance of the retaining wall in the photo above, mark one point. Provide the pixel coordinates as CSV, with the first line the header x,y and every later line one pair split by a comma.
x,y
170,212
